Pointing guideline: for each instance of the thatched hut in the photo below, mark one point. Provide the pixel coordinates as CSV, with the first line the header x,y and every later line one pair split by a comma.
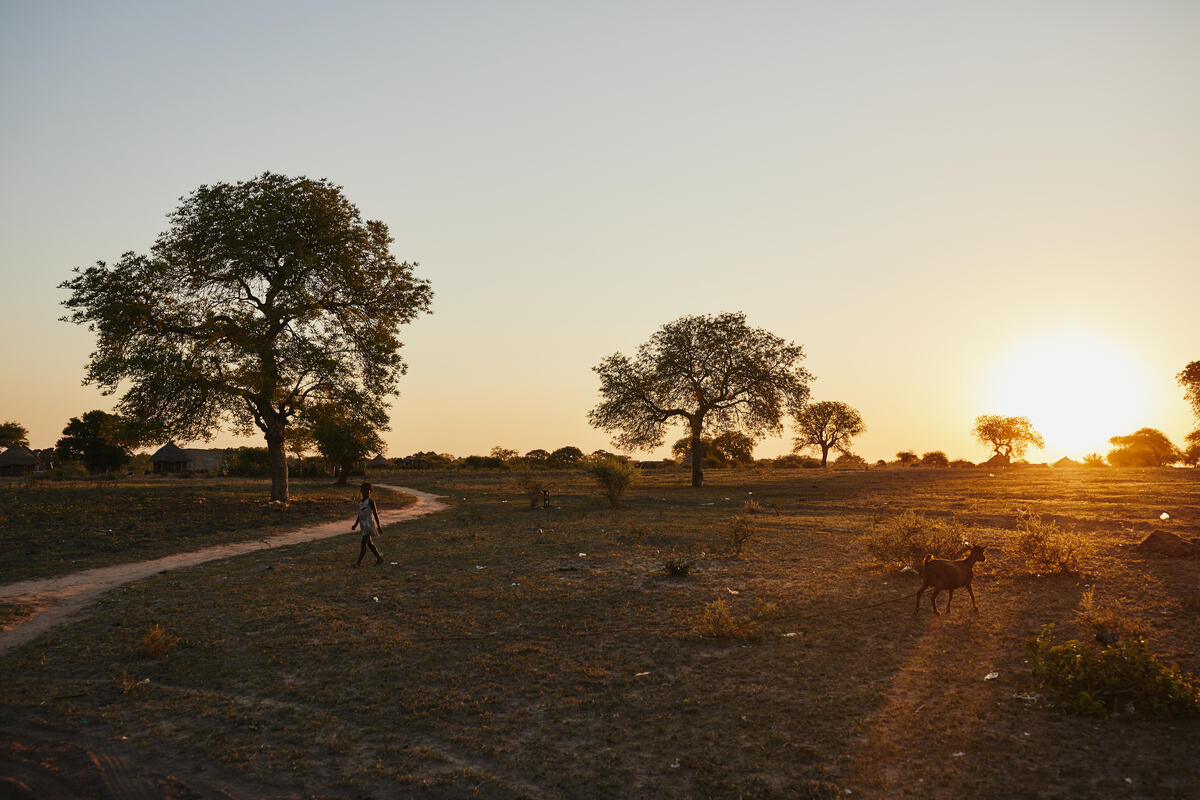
x,y
379,462
169,458
17,461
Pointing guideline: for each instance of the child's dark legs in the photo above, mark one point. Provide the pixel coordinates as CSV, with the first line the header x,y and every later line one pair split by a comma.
x,y
368,543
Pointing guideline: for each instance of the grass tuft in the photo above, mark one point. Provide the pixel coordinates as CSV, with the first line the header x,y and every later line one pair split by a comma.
x,y
1046,549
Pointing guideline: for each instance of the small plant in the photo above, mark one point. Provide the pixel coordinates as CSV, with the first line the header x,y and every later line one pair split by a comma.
x,y
752,506
677,566
614,476
1122,677
716,621
740,531
532,485
156,643
1114,617
128,684
1046,549
908,537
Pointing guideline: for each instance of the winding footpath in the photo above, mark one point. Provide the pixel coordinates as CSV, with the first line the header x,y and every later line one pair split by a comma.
x,y
61,599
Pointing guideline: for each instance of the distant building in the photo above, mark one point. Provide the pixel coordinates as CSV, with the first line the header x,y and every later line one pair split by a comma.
x,y
379,462
17,461
171,458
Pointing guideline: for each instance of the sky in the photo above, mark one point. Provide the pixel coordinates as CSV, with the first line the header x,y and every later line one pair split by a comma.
x,y
956,208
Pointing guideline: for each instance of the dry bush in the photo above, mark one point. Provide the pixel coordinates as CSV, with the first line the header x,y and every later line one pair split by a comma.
x,y
907,538
752,507
1046,549
532,485
739,532
156,642
1111,616
613,475
677,566
716,621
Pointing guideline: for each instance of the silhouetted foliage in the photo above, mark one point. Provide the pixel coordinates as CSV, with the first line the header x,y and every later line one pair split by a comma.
x,y
1147,447
1007,436
614,476
263,296
1093,460
508,456
565,457
99,440
484,462
537,458
907,458
935,458
827,425
342,435
1189,379
249,462
702,371
728,449
12,434
1190,453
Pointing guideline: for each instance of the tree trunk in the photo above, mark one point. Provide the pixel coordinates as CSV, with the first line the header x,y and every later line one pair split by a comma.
x,y
278,459
343,474
697,456
824,457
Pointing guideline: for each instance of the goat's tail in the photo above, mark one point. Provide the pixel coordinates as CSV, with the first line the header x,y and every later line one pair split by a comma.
x,y
925,563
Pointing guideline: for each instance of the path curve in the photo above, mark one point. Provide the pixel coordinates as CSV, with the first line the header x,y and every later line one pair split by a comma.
x,y
61,599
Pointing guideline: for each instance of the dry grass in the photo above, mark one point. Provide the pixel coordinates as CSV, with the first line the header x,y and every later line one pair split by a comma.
x,y
510,654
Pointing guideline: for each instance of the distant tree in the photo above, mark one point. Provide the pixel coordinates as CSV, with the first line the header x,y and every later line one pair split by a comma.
x,y
505,454
1093,460
99,440
565,457
343,436
907,458
1007,436
705,372
1189,379
262,297
734,447
935,458
827,425
1146,447
849,461
13,433
484,462
1190,452
961,462
537,458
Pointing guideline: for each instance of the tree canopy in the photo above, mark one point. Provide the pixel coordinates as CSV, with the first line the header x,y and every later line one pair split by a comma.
x,y
261,297
1147,447
1189,379
705,372
343,437
13,433
827,425
725,449
1007,436
99,440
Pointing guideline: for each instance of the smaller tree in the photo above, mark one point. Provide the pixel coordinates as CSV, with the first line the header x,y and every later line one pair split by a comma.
x,y
537,458
734,447
614,476
1190,453
99,440
1189,379
13,434
935,458
1093,460
1147,447
827,425
565,457
508,456
1007,436
344,438
907,458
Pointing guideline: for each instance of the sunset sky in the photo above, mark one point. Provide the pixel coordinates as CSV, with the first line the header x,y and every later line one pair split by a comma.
x,y
957,208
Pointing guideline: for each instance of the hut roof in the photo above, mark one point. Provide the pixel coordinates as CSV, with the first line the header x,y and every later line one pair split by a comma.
x,y
1066,462
19,455
169,452
379,461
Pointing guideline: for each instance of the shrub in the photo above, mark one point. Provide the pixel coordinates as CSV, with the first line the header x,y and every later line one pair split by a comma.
x,y
715,620
156,642
613,475
1114,616
740,531
1121,677
68,471
752,506
908,537
907,458
677,566
1093,460
935,458
1045,549
532,485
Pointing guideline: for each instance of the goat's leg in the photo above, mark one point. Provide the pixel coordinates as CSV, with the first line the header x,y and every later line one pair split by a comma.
x,y
933,600
949,600
917,610
971,592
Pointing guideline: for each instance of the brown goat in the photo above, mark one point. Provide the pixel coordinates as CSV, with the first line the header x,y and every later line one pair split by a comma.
x,y
943,574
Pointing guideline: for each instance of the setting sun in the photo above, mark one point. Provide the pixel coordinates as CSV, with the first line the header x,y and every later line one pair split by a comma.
x,y
1077,388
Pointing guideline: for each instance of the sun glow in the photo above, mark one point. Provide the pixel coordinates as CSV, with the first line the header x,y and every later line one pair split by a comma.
x,y
1077,388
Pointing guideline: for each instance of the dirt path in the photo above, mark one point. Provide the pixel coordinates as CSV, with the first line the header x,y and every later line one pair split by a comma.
x,y
60,599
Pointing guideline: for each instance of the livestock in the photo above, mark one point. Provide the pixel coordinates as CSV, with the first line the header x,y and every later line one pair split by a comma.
x,y
942,574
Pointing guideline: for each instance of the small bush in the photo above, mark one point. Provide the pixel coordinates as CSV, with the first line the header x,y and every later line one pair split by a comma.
x,y
1045,549
908,537
1123,677
752,507
716,621
677,566
613,475
156,643
532,485
935,458
739,532
1114,616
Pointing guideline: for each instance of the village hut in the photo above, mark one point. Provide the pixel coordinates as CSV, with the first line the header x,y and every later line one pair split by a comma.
x,y
997,460
169,458
18,461
379,462
1066,462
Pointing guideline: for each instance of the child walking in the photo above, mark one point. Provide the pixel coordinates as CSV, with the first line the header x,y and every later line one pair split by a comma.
x,y
368,518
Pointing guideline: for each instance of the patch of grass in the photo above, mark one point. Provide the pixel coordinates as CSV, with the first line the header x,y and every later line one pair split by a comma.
x,y
1046,549
677,566
1120,678
156,643
717,621
13,612
909,536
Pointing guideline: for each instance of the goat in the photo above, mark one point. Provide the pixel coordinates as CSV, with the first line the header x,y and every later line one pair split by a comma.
x,y
943,574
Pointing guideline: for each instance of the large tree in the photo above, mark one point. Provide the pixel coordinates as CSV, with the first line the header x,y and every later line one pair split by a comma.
x,y
12,434
827,425
1189,379
1007,436
706,372
261,297
1147,447
99,440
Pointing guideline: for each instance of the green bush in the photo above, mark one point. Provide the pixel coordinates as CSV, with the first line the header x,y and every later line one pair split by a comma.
x,y
1046,549
614,476
1122,677
908,537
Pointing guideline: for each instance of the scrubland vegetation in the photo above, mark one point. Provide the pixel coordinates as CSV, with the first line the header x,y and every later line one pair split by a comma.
x,y
512,651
